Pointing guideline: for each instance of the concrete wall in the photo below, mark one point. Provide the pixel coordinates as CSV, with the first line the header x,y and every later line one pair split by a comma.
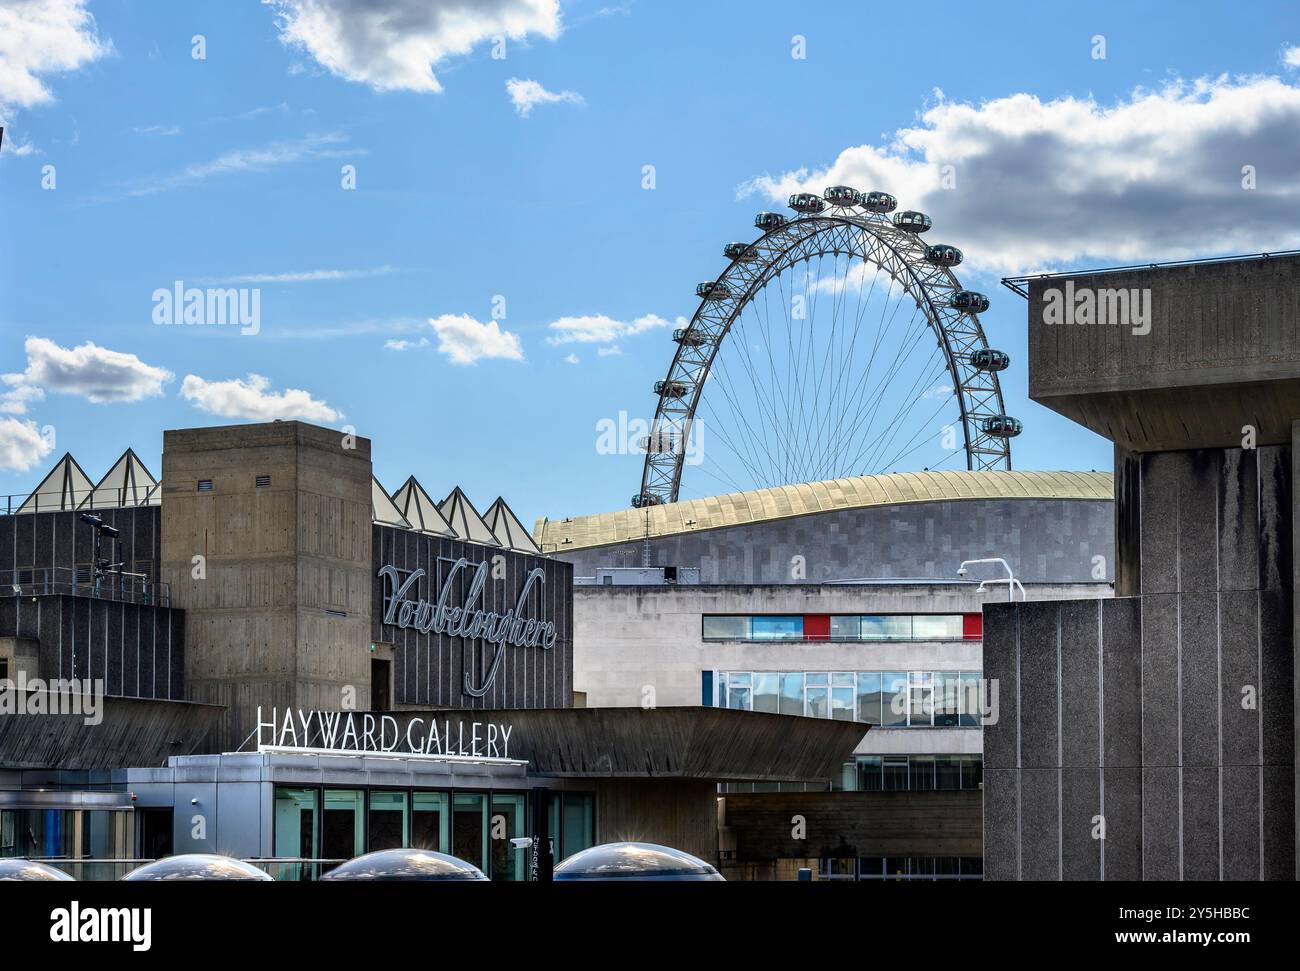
x,y
1170,715
1222,351
630,639
279,613
1044,541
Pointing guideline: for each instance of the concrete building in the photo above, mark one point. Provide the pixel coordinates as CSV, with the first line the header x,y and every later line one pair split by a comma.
x,y
287,662
867,642
1153,736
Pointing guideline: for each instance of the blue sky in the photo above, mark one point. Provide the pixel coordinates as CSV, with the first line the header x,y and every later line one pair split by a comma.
x,y
227,170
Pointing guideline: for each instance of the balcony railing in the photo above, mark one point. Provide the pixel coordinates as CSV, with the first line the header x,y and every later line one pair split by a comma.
x,y
41,580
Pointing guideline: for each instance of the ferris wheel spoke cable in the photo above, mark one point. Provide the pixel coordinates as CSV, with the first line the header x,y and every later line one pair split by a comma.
x,y
724,384
865,401
870,448
756,385
898,422
879,399
898,457
847,361
829,467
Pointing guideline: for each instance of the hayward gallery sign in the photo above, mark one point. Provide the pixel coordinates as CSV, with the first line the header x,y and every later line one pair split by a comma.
x,y
406,610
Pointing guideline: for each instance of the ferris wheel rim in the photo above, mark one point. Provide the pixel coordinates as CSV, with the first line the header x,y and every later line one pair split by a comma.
x,y
659,486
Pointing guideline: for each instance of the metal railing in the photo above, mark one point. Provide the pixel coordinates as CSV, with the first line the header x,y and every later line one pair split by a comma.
x,y
80,500
42,580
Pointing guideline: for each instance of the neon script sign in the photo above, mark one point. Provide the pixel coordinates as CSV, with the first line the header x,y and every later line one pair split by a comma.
x,y
406,610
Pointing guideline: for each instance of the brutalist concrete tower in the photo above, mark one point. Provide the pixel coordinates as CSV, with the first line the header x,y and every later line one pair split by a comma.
x,y
1153,736
266,542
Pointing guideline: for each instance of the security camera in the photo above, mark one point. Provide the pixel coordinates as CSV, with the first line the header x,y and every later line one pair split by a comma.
x,y
521,842
961,571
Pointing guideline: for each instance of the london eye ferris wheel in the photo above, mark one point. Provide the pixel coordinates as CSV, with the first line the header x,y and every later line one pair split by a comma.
x,y
837,343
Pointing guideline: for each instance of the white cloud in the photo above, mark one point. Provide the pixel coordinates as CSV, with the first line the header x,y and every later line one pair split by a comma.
x,y
1157,175
405,345
1291,57
253,399
308,276
600,329
613,351
20,149
93,372
163,130
394,45
527,95
40,37
465,340
572,359
243,160
21,445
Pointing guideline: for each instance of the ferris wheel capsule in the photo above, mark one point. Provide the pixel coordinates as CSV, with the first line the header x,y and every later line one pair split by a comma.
x,y
689,337
643,499
712,290
768,221
807,203
670,389
942,254
741,252
881,202
910,221
843,196
1002,426
989,359
969,302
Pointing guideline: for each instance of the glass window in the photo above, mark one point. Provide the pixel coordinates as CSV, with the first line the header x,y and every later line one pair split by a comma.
x,y
921,699
792,693
947,698
817,694
722,627
776,628
893,712
469,829
937,627
388,828
972,700
739,690
430,822
869,779
507,823
579,823
343,833
922,771
887,627
843,696
893,772
766,692
846,627
972,771
295,826
947,772
869,697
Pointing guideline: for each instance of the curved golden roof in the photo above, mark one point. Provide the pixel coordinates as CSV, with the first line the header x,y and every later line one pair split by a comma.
x,y
855,492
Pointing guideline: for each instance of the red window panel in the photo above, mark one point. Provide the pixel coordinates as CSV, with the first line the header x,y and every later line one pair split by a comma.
x,y
972,627
816,627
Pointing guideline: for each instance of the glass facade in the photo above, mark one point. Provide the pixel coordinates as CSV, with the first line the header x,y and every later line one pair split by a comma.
x,y
841,627
902,868
896,773
340,824
889,699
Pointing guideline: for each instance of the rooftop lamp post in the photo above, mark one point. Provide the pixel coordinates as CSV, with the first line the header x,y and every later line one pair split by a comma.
x,y
1012,583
